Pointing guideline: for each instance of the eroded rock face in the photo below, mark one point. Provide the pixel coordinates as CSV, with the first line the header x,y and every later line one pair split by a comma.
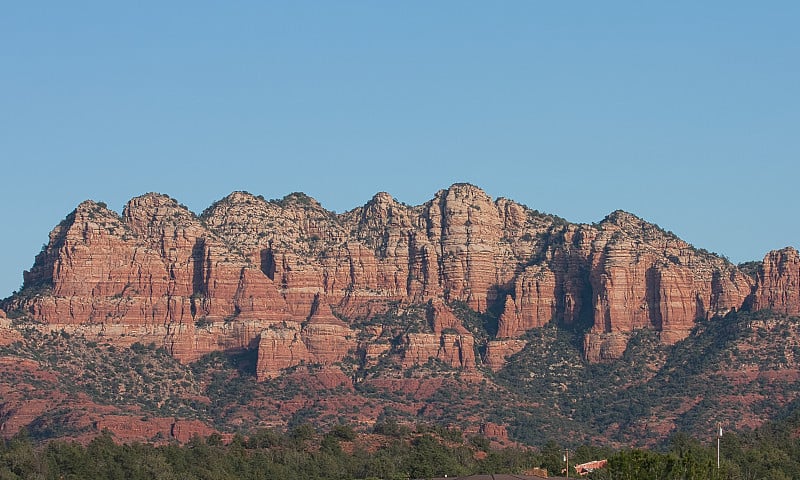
x,y
127,428
290,277
618,276
600,346
533,304
8,335
778,282
644,278
498,351
443,320
323,340
280,348
152,274
454,349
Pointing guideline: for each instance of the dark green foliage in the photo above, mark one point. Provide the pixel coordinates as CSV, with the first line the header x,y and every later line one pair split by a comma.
x,y
142,375
391,428
343,432
203,322
397,320
772,452
54,424
750,268
301,454
482,325
735,343
480,442
617,399
430,458
294,198
540,371
742,457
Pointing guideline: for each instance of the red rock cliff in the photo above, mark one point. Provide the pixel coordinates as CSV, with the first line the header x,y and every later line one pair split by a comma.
x,y
778,282
289,276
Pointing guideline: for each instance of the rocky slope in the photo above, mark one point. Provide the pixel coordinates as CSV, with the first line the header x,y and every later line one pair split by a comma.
x,y
379,285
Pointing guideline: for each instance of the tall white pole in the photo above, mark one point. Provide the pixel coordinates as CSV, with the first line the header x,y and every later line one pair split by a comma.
x,y
719,437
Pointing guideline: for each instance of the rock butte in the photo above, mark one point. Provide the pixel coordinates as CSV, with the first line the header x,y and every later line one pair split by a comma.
x,y
297,282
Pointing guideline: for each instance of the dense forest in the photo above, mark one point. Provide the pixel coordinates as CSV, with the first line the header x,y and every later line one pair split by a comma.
x,y
395,451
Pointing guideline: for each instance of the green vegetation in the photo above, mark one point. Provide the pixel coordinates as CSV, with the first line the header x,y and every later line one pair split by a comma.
x,y
14,304
142,375
750,268
396,451
482,325
293,199
398,319
299,453
725,369
770,452
203,322
728,367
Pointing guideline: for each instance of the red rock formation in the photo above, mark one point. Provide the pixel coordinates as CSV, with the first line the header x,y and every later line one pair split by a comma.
x,y
153,274
533,304
280,348
495,432
184,430
8,335
498,351
642,277
257,297
373,351
323,340
197,284
454,349
328,343
127,429
419,348
465,225
442,319
778,283
598,346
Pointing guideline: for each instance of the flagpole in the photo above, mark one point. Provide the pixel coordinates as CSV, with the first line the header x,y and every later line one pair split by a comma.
x,y
719,436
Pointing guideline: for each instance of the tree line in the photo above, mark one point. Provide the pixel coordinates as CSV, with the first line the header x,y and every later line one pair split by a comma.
x,y
395,451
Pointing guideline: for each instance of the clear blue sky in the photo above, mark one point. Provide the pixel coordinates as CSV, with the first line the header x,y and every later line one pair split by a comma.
x,y
685,113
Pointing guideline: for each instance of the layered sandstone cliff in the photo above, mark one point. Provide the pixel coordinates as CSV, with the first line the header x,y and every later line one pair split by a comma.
x,y
778,282
617,276
296,280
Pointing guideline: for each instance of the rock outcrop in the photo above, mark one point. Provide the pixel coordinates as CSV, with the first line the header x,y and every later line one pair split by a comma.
x,y
155,273
296,280
127,428
455,350
7,334
644,277
778,282
498,351
280,348
323,339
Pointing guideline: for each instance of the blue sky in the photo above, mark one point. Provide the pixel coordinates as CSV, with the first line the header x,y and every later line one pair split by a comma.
x,y
685,113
